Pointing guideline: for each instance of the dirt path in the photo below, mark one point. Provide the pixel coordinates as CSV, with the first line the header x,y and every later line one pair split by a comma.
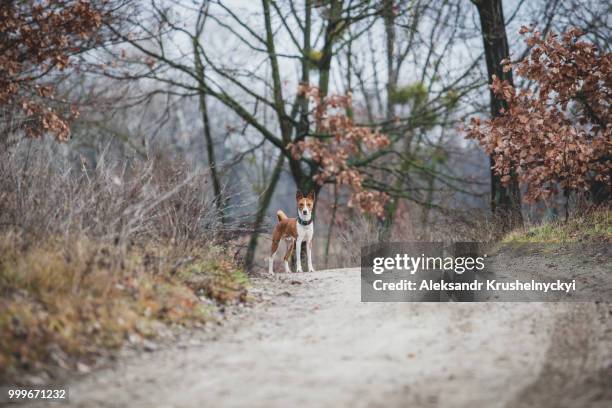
x,y
313,343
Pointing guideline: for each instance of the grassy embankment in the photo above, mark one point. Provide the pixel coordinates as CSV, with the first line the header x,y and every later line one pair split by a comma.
x,y
593,226
94,257
64,304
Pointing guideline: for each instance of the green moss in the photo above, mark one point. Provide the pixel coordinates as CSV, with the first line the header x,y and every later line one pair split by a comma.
x,y
240,277
314,58
214,276
315,55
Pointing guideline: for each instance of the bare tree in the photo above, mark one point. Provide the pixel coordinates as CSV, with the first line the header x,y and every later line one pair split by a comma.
x,y
158,38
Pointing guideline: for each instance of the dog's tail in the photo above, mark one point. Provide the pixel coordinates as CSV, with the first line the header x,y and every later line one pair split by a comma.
x,y
281,215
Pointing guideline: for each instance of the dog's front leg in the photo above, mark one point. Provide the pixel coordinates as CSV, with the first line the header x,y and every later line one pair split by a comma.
x,y
298,254
309,254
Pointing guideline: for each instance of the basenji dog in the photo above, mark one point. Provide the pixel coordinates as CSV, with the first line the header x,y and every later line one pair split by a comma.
x,y
295,231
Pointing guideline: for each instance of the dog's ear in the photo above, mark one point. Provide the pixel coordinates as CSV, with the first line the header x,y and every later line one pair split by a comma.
x,y
311,195
299,195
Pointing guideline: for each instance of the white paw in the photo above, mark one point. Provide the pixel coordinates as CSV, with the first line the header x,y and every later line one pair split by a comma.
x,y
311,269
299,270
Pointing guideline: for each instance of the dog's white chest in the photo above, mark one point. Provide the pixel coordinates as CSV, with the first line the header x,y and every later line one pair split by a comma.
x,y
305,232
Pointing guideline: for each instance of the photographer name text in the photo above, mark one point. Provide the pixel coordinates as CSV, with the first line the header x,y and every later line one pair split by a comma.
x,y
490,284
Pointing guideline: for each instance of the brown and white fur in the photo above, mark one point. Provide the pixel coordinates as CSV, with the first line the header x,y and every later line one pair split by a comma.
x,y
295,232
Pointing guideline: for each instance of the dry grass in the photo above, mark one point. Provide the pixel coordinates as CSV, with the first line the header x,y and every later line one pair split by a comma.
x,y
92,257
60,300
592,225
354,232
45,194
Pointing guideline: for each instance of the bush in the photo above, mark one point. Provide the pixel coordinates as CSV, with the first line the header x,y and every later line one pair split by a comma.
x,y
558,135
44,194
92,257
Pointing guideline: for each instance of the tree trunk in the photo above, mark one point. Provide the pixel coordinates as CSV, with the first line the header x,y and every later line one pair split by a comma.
x,y
212,164
208,139
505,200
331,34
388,15
330,227
389,21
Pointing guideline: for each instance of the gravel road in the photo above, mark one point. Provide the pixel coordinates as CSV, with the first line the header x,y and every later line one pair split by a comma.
x,y
311,342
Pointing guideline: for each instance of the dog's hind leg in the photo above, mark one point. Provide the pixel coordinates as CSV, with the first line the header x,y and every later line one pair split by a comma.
x,y
272,254
290,246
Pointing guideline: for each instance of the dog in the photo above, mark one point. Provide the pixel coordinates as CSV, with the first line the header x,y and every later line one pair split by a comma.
x,y
295,231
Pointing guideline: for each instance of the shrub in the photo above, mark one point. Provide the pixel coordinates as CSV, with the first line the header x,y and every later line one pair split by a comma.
x,y
93,256
558,135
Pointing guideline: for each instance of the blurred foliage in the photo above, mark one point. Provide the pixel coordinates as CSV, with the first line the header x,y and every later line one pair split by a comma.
x,y
450,100
415,94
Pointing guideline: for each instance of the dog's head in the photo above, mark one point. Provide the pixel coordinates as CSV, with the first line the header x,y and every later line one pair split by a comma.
x,y
305,204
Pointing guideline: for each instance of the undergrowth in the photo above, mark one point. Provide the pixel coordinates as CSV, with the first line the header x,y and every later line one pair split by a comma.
x,y
65,303
94,255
